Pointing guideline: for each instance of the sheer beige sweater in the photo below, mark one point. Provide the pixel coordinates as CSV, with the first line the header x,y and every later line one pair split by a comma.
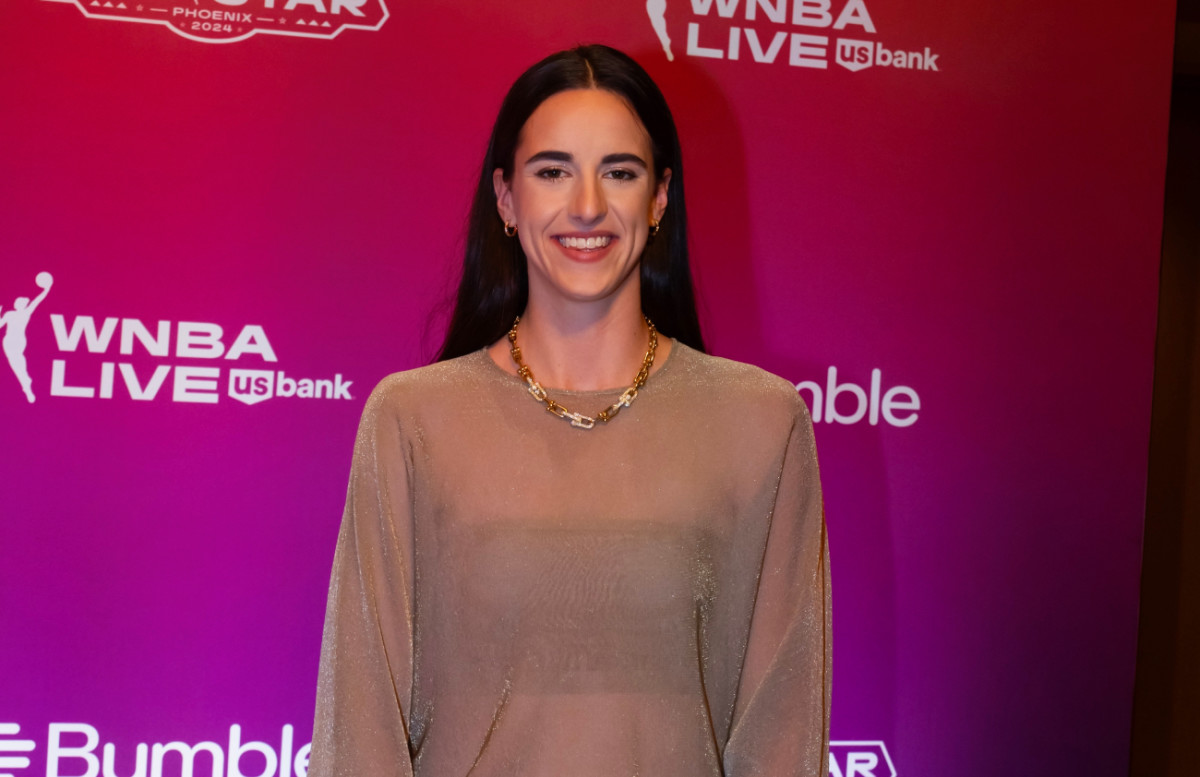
x,y
515,597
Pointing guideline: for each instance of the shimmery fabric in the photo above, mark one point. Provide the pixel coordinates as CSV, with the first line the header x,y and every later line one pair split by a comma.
x,y
514,597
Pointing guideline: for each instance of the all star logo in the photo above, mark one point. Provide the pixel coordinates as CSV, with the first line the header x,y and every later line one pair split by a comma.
x,y
865,758
227,21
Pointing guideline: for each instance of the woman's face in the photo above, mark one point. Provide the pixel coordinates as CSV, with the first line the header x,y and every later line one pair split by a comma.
x,y
582,195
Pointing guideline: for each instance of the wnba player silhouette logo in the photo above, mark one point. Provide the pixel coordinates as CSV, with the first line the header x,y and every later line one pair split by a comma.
x,y
13,324
657,11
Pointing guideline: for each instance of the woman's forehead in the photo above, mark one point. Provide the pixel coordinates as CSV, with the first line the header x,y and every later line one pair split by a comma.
x,y
584,119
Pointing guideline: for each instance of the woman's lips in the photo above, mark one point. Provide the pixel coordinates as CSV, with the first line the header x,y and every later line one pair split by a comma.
x,y
585,248
586,243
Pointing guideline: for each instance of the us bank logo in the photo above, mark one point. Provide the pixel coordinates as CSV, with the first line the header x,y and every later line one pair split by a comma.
x,y
793,33
106,357
228,21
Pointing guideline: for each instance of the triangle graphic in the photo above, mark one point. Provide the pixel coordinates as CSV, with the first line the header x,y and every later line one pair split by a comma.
x,y
301,21
325,24
121,5
108,5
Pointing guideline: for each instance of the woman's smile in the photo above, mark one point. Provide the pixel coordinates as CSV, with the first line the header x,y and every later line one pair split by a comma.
x,y
584,243
586,248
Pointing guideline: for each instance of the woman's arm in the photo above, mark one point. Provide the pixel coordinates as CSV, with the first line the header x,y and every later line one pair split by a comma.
x,y
781,716
365,686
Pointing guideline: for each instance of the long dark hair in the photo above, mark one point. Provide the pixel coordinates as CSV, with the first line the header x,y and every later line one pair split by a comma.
x,y
495,286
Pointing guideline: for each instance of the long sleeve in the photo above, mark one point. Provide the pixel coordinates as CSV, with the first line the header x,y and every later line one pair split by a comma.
x,y
781,716
364,689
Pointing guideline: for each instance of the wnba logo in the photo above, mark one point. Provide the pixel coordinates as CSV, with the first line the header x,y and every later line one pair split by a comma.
x,y
14,323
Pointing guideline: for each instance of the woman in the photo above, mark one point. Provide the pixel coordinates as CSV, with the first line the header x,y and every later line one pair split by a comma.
x,y
641,590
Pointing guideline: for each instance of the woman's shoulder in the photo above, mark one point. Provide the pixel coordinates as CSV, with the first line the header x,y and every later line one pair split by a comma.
x,y
725,380
431,383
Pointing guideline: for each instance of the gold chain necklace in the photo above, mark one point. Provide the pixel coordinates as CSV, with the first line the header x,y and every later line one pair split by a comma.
x,y
578,420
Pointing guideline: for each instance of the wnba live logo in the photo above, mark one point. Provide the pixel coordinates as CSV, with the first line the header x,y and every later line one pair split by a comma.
x,y
116,357
749,30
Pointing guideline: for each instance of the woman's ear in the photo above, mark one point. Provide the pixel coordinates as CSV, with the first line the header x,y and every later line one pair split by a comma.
x,y
660,194
503,197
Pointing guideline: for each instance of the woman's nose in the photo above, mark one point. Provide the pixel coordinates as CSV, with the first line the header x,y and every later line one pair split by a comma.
x,y
588,206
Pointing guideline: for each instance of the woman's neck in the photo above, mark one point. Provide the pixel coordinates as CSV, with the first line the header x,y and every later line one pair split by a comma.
x,y
581,347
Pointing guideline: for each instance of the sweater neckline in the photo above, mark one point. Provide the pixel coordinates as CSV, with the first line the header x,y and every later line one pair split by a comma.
x,y
664,371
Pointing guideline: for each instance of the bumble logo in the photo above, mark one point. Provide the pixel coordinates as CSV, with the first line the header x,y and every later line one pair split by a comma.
x,y
228,21
77,750
118,357
897,406
9,761
795,33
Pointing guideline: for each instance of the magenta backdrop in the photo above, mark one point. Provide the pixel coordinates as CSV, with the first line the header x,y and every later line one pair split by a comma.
x,y
981,226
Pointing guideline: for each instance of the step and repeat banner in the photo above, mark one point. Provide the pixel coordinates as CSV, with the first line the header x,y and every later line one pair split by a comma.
x,y
225,220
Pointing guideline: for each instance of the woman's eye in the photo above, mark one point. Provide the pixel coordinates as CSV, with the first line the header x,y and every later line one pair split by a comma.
x,y
622,174
551,173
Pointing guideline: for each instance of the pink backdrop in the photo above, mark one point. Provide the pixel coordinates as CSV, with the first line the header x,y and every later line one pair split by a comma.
x,y
981,228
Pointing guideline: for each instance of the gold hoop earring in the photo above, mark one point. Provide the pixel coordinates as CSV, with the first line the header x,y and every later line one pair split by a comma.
x,y
510,229
653,227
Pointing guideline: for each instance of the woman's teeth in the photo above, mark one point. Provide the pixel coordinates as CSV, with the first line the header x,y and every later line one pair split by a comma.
x,y
584,243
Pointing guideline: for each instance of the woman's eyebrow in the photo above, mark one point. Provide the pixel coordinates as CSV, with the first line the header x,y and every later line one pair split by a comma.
x,y
550,156
564,157
624,159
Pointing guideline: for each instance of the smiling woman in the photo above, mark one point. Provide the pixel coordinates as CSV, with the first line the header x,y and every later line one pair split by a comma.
x,y
645,594
495,281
